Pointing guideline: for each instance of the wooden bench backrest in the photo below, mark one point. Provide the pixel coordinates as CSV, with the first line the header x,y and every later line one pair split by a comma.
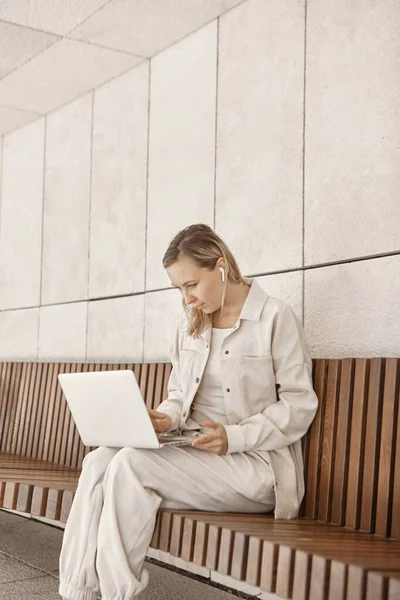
x,y
351,452
35,420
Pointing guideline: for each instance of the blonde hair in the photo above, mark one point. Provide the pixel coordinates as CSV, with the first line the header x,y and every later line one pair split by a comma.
x,y
204,248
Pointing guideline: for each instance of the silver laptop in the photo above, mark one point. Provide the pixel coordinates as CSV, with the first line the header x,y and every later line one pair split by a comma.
x,y
109,410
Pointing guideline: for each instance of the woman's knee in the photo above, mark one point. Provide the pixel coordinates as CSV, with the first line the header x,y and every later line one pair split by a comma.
x,y
125,455
134,458
99,459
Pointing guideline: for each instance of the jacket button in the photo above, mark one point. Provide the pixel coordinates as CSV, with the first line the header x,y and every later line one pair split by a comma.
x,y
226,351
184,413
228,390
197,380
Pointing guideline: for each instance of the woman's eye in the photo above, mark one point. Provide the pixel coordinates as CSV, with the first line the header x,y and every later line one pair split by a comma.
x,y
192,285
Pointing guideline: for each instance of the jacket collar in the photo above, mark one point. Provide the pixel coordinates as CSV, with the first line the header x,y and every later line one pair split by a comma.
x,y
255,301
252,307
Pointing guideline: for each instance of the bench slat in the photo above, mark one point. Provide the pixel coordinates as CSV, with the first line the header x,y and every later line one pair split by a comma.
x,y
357,442
4,412
51,411
200,544
394,589
175,546
285,571
36,408
341,467
41,411
319,578
269,566
151,385
167,373
64,418
356,582
388,498
387,451
225,551
395,501
213,545
338,578
17,434
329,441
301,576
159,386
45,396
189,536
24,500
240,553
254,553
62,426
71,447
314,449
54,440
372,437
143,381
165,530
28,402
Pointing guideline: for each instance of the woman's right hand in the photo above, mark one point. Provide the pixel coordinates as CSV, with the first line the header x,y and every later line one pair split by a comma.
x,y
161,421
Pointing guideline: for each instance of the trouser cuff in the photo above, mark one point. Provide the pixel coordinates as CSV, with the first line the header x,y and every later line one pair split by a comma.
x,y
72,592
143,583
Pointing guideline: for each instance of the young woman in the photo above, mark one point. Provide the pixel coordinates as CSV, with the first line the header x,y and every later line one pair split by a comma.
x,y
242,375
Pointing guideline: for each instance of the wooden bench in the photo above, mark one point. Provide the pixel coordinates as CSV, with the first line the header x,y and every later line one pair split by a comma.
x,y
344,545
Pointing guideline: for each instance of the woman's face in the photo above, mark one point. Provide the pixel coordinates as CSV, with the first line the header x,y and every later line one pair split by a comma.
x,y
199,287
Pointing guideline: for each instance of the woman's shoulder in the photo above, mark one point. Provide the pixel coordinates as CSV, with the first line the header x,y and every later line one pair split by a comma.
x,y
275,305
262,305
275,308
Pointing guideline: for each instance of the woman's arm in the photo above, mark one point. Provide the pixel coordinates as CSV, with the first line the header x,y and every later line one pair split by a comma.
x,y
287,420
172,406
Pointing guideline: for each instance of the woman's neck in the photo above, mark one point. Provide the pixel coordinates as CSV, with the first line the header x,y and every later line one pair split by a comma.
x,y
235,298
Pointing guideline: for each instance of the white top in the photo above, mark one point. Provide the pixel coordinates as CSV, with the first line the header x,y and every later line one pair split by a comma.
x,y
208,403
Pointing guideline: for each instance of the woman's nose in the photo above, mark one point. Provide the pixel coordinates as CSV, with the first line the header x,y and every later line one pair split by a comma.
x,y
188,298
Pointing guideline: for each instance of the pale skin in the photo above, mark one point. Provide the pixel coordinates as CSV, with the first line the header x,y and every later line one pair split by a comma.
x,y
202,288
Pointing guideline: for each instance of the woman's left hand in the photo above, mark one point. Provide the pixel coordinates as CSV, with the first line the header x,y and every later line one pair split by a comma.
x,y
215,442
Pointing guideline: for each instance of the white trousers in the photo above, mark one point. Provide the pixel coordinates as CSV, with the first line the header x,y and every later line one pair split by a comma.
x,y
112,518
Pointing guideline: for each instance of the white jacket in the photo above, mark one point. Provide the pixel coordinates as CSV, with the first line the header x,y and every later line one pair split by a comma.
x,y
266,378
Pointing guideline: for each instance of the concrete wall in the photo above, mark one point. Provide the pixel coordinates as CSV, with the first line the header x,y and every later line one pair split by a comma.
x,y
278,124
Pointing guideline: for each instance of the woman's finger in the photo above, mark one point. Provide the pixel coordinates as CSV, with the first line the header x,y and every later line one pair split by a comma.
x,y
156,415
210,448
214,442
211,424
204,439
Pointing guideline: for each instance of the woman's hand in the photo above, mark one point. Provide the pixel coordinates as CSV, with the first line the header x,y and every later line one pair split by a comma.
x,y
161,421
215,442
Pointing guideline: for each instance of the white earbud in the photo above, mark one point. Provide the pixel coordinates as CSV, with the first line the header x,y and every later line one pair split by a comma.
x,y
223,273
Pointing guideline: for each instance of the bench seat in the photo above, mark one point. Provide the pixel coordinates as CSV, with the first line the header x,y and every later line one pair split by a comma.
x,y
14,468
345,545
37,487
283,557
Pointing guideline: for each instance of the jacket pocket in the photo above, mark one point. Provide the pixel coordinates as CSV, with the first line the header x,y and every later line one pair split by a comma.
x,y
257,377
